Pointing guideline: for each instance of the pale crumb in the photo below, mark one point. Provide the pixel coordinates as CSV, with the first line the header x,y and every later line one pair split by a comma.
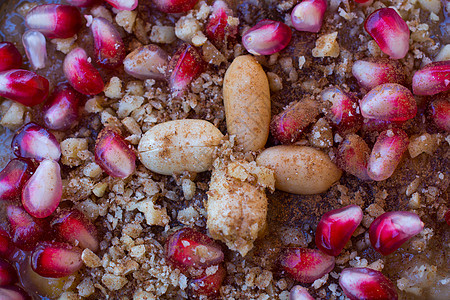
x,y
326,45
126,19
301,62
431,5
358,262
132,126
263,280
318,283
68,296
275,82
347,16
14,116
153,214
65,45
113,89
143,295
375,210
188,187
92,170
26,7
137,251
93,105
321,135
434,17
114,282
186,28
90,259
128,104
135,88
199,39
285,5
89,209
413,185
163,34
377,265
423,143
444,53
69,150
212,55
101,11
203,11
373,48
100,189
86,287
414,202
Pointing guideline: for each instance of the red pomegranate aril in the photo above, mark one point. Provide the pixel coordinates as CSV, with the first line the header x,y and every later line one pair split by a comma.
x,y
267,37
25,230
389,101
387,153
81,74
10,57
207,285
36,48
82,3
108,43
336,227
55,20
8,274
175,6
371,73
13,178
288,125
306,265
123,4
147,62
55,259
440,113
446,217
299,293
308,15
432,79
389,31
113,154
218,30
186,65
73,227
6,246
42,193
13,292
366,284
392,229
35,142
353,156
23,86
60,112
362,1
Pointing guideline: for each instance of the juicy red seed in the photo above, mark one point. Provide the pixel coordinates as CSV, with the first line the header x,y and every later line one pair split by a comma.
x,y
10,57
299,293
13,178
387,153
207,285
353,156
189,248
73,227
8,274
267,37
55,20
35,142
82,3
371,125
367,284
147,62
114,155
218,30
60,112
336,228
371,73
108,44
6,246
308,15
186,65
175,6
42,193
392,229
55,259
23,86
389,101
306,265
432,79
80,73
36,48
13,292
288,125
362,1
389,31
446,217
440,113
123,4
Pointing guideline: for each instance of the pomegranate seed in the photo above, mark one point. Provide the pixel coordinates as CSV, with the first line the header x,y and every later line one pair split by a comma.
x,y
218,30
25,230
189,248
55,20
114,155
207,285
60,112
82,3
42,193
371,125
390,230
362,1
299,293
55,259
6,246
389,31
175,6
73,227
13,292
80,73
389,101
10,57
288,125
267,37
123,4
353,156
35,142
147,62
308,15
440,113
108,44
36,48
336,228
367,284
306,265
13,178
386,153
432,79
371,73
446,217
8,274
185,65
23,86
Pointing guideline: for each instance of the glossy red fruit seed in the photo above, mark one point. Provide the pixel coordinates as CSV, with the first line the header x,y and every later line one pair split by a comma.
x,y
299,293
306,265
389,101
8,274
55,20
13,292
288,125
371,73
113,154
432,79
308,15
13,178
25,230
440,113
367,284
108,44
35,142
6,246
218,29
186,65
81,74
447,217
189,248
207,285
55,259
73,227
353,156
362,1
42,193
389,31
82,3
175,6
10,57
23,86
60,112
147,62
123,4
267,37
392,229
387,153
36,48
336,227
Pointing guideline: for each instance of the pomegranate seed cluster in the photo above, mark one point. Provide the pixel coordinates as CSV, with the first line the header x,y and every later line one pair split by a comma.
x,y
186,149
